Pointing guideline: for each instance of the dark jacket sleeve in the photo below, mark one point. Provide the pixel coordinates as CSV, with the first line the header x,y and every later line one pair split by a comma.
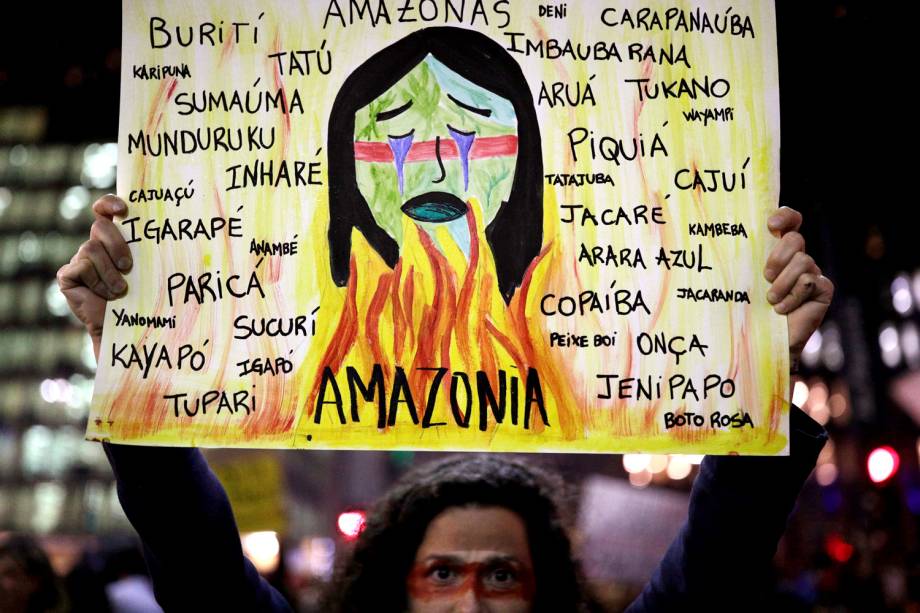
x,y
189,537
722,556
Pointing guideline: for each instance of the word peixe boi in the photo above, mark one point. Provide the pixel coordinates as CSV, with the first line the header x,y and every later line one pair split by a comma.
x,y
504,402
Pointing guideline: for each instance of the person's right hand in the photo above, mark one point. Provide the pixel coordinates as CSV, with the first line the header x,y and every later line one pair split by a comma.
x,y
94,274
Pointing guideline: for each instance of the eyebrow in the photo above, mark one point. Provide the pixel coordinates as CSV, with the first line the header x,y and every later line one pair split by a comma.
x,y
453,559
384,115
483,112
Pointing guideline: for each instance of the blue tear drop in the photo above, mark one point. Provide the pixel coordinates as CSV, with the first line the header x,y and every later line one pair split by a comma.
x,y
400,148
464,144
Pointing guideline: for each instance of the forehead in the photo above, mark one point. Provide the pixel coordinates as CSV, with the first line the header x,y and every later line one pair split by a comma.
x,y
455,84
475,533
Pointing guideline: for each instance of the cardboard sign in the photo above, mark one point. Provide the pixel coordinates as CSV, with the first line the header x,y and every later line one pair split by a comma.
x,y
255,487
447,224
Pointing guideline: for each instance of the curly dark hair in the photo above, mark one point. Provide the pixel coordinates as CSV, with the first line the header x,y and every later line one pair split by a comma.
x,y
373,577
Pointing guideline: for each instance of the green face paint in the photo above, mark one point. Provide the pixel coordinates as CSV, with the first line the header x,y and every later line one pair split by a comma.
x,y
429,143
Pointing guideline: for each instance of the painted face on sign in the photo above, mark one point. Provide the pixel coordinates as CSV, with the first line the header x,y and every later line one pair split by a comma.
x,y
473,559
429,144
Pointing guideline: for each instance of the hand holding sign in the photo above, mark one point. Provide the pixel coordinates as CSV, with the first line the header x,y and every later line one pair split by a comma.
x,y
798,289
94,274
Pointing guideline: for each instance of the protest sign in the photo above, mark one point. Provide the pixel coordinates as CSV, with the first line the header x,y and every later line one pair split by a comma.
x,y
447,224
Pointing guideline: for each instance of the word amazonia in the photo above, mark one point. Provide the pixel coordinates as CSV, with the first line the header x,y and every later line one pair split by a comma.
x,y
504,402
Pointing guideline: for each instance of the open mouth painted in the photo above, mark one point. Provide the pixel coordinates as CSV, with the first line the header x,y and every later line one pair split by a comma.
x,y
434,207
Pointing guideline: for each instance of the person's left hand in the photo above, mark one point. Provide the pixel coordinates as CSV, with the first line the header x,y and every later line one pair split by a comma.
x,y
798,289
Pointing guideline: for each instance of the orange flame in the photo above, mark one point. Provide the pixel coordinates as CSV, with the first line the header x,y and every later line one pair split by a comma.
x,y
442,312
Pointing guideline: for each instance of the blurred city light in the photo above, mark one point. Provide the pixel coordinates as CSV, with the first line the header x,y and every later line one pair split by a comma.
x,y
657,463
6,197
826,474
262,548
910,344
679,467
890,345
635,462
816,404
29,247
799,393
351,523
831,499
87,356
837,548
57,303
913,500
74,201
900,295
640,479
19,155
322,557
882,463
839,400
817,393
811,354
832,347
99,164
915,286
48,504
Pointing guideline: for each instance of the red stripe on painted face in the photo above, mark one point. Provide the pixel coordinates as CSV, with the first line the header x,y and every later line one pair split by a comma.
x,y
485,147
423,585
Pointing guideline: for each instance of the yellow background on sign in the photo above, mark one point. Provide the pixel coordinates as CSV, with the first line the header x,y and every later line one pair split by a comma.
x,y
440,307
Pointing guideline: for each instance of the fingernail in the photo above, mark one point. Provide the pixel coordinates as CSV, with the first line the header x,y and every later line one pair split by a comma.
x,y
124,263
769,273
118,206
780,308
773,222
771,297
119,286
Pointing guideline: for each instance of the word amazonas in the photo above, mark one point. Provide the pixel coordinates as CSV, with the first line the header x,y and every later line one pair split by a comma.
x,y
475,12
464,391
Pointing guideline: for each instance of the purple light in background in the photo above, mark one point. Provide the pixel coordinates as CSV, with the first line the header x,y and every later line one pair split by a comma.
x,y
913,500
831,499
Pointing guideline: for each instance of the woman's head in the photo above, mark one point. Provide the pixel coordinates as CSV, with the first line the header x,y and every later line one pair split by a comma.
x,y
473,558
437,118
27,581
465,529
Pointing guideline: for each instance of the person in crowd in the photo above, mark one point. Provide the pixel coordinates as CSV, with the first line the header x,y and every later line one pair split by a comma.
x,y
27,580
471,533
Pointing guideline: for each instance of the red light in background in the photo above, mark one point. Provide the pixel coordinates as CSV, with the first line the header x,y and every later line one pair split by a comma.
x,y
351,523
837,548
882,463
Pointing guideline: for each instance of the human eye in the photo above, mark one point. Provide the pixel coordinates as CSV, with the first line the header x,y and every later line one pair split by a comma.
x,y
502,578
442,574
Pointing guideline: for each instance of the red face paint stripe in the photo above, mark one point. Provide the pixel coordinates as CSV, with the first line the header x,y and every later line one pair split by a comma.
x,y
485,147
470,579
